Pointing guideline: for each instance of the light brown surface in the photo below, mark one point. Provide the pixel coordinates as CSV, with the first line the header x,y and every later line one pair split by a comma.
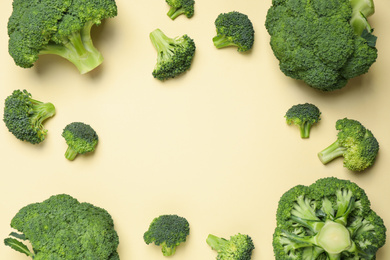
x,y
211,145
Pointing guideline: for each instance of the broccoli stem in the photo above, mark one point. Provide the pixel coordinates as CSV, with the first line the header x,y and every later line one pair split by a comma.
x,y
174,12
167,250
305,129
331,152
77,48
222,41
162,43
40,112
334,238
70,153
216,243
361,9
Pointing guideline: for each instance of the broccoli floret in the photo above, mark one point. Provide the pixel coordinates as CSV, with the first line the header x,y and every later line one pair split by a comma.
x,y
330,219
63,228
238,247
24,116
234,29
80,138
57,27
167,231
355,143
174,55
303,115
179,7
324,43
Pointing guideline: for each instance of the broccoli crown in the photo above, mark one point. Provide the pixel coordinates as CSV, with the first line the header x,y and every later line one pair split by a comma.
x,y
355,143
167,231
24,116
234,29
60,27
330,219
63,228
303,115
323,43
238,247
178,7
81,138
174,55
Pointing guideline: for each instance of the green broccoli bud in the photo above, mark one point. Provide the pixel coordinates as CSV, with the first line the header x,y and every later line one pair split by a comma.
x,y
238,247
167,231
304,116
179,7
234,29
174,55
24,116
80,138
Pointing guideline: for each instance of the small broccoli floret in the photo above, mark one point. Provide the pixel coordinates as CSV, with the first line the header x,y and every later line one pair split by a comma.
x,y
355,143
179,7
57,27
330,219
324,43
63,228
24,116
80,138
167,231
238,247
304,116
174,55
234,29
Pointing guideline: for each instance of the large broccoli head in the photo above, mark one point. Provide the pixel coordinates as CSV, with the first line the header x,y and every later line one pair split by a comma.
x,y
167,231
238,247
234,29
24,116
355,143
323,43
63,228
81,138
174,55
60,27
330,219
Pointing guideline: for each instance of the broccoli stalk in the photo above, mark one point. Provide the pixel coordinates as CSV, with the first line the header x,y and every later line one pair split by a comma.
x,y
331,152
361,10
77,48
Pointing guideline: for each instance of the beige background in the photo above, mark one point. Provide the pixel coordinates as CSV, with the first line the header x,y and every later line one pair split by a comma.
x,y
211,145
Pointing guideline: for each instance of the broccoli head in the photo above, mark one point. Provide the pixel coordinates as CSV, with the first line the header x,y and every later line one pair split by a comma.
x,y
63,228
238,247
324,42
24,116
60,27
355,143
167,231
80,138
330,219
234,29
303,115
178,7
174,55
